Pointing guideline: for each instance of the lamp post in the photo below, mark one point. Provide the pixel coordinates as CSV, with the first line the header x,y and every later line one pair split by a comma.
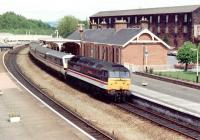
x,y
197,64
145,57
197,78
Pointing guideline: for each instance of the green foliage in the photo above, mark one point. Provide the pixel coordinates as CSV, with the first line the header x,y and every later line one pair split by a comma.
x,y
86,23
67,25
13,23
182,75
186,54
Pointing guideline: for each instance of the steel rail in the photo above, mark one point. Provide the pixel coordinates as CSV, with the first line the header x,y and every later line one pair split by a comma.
x,y
10,62
161,120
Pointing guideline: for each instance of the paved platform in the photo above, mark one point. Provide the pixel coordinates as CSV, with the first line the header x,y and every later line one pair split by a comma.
x,y
181,98
37,121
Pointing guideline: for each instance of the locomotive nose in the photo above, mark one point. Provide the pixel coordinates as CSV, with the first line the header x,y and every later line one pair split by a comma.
x,y
119,84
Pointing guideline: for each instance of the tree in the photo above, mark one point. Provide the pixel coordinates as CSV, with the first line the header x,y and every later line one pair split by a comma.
x,y
67,25
13,23
86,23
186,54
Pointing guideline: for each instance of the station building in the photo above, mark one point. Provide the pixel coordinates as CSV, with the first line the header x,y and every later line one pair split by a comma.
x,y
174,25
136,48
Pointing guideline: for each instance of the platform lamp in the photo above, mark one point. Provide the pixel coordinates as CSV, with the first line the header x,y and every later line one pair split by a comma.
x,y
197,77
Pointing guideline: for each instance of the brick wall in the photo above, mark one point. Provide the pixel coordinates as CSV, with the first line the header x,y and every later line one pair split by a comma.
x,y
134,53
173,39
196,16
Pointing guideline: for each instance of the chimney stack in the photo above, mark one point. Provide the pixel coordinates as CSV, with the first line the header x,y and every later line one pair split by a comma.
x,y
144,23
120,24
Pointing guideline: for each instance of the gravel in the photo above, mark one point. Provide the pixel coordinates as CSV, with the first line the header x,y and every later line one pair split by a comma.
x,y
109,118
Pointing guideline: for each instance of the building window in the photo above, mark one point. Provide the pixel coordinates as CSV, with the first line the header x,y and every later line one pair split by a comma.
x,y
176,30
135,19
185,29
150,19
109,20
185,18
158,19
129,19
167,30
176,18
158,29
167,18
117,56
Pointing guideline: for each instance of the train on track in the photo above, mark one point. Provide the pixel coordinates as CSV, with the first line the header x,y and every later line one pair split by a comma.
x,y
110,80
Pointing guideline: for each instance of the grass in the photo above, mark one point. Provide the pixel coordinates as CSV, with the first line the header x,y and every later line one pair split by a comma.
x,y
182,75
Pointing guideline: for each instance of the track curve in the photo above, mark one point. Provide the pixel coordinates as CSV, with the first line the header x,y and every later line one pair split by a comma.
x,y
86,127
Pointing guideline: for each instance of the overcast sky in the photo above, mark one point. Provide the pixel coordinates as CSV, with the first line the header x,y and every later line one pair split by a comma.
x,y
53,10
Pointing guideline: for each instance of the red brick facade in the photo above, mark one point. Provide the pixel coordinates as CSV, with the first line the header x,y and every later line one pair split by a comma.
x,y
173,28
131,54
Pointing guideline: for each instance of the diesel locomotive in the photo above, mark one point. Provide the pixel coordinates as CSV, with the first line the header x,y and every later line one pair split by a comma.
x,y
103,78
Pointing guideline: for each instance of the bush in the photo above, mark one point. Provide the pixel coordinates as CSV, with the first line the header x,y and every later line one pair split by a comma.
x,y
151,70
182,66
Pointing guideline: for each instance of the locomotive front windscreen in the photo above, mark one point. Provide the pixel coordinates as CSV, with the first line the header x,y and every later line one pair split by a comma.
x,y
119,74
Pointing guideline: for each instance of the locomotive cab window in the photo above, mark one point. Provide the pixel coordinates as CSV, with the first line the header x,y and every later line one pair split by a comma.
x,y
119,74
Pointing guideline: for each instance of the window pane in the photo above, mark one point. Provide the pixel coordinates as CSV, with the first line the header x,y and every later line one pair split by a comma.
x,y
124,74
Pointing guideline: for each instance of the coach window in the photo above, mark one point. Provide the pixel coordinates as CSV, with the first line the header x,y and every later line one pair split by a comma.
x,y
104,75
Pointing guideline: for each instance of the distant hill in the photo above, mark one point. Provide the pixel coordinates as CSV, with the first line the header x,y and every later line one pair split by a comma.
x,y
17,24
53,23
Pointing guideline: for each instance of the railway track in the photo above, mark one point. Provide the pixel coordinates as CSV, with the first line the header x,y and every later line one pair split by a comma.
x,y
163,120
10,62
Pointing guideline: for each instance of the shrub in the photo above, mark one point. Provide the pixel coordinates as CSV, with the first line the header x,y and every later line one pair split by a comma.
x,y
151,70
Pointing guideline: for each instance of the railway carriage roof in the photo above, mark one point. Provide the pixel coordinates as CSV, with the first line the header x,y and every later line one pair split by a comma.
x,y
39,48
98,64
57,54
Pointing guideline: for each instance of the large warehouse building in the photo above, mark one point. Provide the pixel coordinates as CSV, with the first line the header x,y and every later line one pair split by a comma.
x,y
174,25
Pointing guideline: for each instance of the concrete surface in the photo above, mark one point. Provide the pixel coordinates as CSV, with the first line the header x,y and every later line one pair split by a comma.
x,y
37,121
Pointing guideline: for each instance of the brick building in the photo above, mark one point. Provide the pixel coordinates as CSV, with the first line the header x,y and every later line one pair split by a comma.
x,y
174,25
136,48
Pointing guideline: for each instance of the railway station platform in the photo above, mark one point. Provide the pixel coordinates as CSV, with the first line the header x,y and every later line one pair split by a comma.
x,y
177,97
36,120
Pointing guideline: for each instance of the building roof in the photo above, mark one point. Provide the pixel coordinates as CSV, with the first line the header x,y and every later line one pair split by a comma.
x,y
106,36
148,11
